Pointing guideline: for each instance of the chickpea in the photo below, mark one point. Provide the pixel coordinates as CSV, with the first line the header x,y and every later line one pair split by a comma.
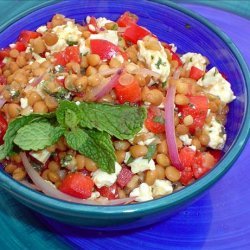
x,y
80,161
86,34
120,156
90,165
21,61
13,67
53,166
160,172
162,148
14,110
14,53
20,78
58,20
51,102
16,158
93,59
19,174
38,45
181,99
103,67
114,63
188,120
121,193
84,62
33,97
46,64
10,168
181,129
162,160
172,174
121,145
140,79
35,65
40,107
38,71
196,143
153,96
204,139
132,184
81,83
50,38
69,82
138,151
132,54
151,176
53,176
91,71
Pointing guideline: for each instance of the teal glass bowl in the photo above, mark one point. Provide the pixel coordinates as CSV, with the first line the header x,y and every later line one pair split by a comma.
x,y
191,33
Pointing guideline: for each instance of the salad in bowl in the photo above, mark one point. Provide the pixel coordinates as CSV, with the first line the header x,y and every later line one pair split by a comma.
x,y
104,113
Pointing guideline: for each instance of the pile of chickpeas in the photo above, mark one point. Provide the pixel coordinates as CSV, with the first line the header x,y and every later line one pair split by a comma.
x,y
80,79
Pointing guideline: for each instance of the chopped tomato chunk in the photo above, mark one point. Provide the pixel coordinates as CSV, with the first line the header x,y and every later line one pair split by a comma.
x,y
3,80
196,73
155,120
3,128
26,35
124,177
77,185
128,93
70,54
135,32
109,192
20,46
92,25
126,19
197,108
175,57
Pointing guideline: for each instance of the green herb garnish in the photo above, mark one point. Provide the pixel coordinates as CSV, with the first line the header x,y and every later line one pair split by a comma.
x,y
71,43
151,152
159,119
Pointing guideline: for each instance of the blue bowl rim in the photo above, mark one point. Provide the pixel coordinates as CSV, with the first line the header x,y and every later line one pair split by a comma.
x,y
148,207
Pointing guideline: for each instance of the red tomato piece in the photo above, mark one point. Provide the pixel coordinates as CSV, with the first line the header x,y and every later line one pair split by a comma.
x,y
72,54
197,108
3,128
26,35
4,53
155,120
126,19
109,192
217,154
203,162
105,49
128,93
124,177
196,73
175,57
135,32
60,58
20,46
186,176
3,80
92,25
77,185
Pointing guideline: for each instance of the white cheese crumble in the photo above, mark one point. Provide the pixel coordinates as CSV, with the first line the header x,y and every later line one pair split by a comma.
x,y
156,60
42,155
94,195
173,47
84,50
66,32
216,133
139,164
38,58
214,83
102,178
185,139
194,59
108,35
101,21
142,193
42,29
192,147
162,187
24,103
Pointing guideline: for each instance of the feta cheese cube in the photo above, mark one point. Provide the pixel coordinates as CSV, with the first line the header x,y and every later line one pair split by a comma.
x,y
156,60
102,178
194,59
142,193
24,103
42,29
216,133
42,155
214,83
140,165
162,187
185,139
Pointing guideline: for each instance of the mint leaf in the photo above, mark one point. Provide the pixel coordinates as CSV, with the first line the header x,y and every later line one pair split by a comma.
x,y
151,152
94,145
121,121
37,136
68,114
14,126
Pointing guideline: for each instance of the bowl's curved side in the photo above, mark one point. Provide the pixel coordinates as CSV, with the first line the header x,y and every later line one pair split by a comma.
x,y
169,23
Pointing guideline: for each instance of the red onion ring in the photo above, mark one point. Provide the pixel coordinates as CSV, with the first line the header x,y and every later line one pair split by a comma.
x,y
169,124
2,102
50,190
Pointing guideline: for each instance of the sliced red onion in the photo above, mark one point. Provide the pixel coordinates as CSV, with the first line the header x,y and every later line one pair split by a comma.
x,y
169,124
109,86
2,102
29,185
50,190
146,72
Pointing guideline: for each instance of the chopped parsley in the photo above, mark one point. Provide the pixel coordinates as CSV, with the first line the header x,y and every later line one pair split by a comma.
x,y
66,160
72,43
130,160
164,84
151,152
159,63
159,119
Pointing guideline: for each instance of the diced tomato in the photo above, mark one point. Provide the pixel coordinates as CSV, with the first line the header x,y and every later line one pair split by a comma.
x,y
124,177
217,154
126,19
109,192
186,176
77,185
105,49
187,156
197,108
3,80
3,128
135,32
20,46
203,162
196,73
92,25
175,57
128,93
155,120
26,35
70,54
